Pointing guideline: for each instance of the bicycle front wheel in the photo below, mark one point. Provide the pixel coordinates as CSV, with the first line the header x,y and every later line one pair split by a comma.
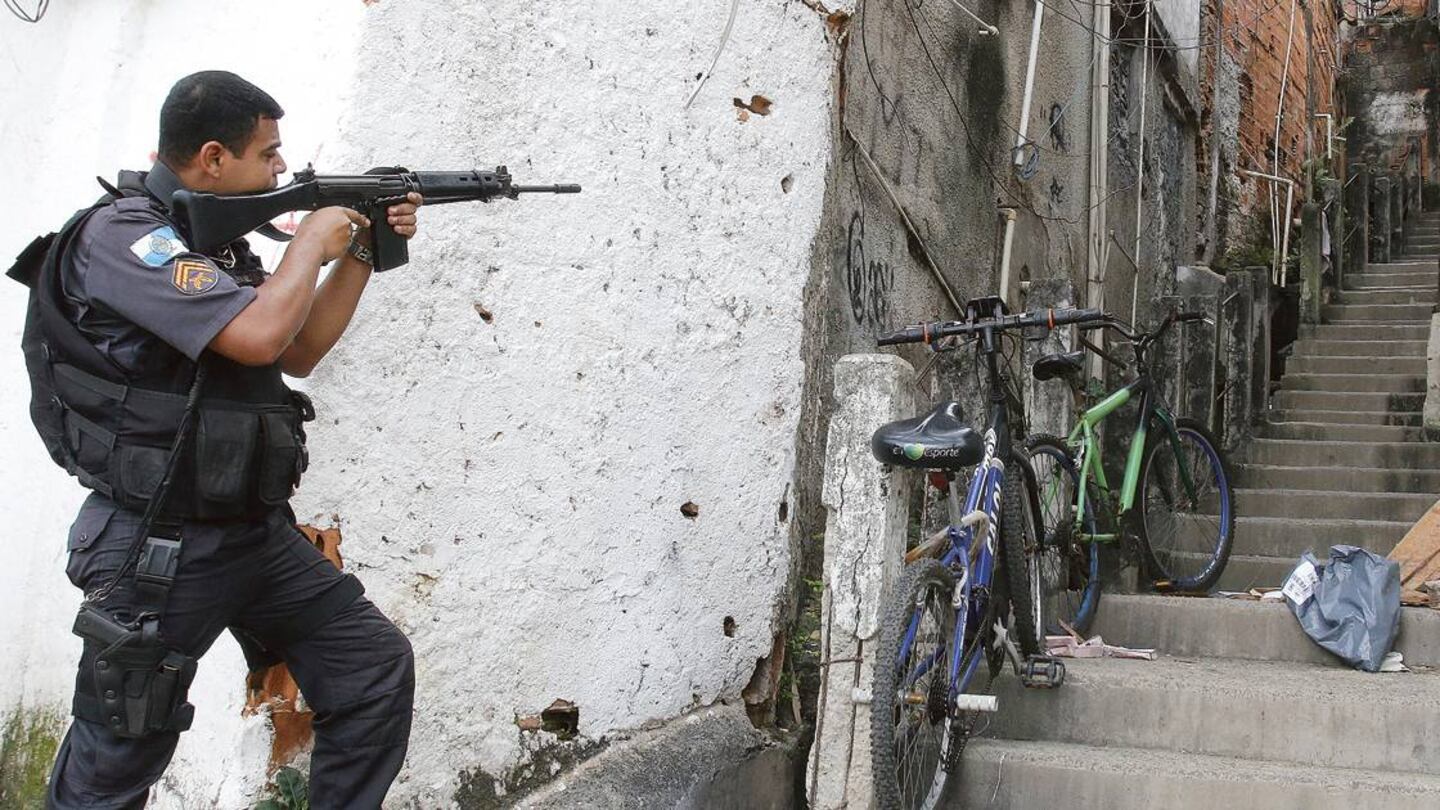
x,y
910,718
1020,555
1186,507
1069,567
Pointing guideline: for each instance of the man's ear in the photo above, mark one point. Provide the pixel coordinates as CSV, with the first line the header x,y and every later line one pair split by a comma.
x,y
209,157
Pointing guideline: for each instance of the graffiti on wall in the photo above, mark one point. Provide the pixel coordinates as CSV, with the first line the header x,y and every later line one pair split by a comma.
x,y
868,281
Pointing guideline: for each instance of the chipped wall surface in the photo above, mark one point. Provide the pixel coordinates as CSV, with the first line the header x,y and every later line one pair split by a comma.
x,y
510,487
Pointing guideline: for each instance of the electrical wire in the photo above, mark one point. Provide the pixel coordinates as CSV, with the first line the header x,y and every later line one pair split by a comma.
x,y
35,16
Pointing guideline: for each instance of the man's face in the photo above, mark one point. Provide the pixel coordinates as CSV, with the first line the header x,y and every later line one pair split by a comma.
x,y
257,167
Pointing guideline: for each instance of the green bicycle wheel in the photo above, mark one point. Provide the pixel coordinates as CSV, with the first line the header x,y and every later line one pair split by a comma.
x,y
1069,568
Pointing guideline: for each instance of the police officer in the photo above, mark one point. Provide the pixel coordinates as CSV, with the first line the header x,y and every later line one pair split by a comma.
x,y
160,371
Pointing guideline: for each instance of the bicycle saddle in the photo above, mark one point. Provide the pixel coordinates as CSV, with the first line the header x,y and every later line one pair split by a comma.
x,y
936,441
1059,365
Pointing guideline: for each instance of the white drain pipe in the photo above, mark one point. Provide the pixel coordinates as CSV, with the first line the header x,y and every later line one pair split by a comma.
x,y
1021,140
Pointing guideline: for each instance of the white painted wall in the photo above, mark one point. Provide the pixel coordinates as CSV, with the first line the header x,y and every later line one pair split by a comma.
x,y
509,492
1181,19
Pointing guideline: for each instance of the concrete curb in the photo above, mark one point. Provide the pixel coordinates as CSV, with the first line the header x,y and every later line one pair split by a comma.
x,y
713,758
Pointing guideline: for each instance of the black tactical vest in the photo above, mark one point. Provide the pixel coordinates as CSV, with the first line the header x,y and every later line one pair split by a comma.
x,y
113,429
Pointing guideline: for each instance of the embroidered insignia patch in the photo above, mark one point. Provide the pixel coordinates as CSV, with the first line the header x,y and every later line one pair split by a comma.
x,y
193,277
158,247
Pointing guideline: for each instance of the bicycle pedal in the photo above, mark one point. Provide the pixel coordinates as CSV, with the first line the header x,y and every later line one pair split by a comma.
x,y
976,703
1162,586
1042,672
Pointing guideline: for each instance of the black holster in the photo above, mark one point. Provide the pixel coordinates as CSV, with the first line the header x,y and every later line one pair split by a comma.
x,y
129,681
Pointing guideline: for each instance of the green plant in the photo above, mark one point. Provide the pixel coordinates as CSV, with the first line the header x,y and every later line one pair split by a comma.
x,y
291,792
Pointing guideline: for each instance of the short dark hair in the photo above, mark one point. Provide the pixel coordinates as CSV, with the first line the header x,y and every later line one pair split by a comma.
x,y
212,105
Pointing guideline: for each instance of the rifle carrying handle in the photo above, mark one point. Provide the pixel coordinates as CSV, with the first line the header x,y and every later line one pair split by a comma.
x,y
388,247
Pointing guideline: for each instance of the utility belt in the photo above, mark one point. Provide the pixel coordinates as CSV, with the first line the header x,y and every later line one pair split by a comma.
x,y
244,458
224,460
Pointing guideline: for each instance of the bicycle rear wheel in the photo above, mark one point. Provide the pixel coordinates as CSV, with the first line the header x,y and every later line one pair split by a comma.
x,y
1186,507
1069,567
910,721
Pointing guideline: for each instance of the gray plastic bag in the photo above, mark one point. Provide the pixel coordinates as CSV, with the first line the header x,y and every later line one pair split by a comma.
x,y
1350,605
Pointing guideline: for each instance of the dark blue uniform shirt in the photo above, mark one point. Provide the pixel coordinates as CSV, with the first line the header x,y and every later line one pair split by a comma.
x,y
131,280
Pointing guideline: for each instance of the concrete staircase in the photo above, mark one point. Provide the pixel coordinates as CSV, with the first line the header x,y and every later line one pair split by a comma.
x,y
1243,709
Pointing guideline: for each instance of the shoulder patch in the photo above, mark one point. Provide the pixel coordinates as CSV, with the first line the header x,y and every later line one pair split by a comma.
x,y
158,247
193,276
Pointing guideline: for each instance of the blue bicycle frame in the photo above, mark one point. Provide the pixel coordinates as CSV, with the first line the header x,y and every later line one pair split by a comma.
x,y
971,557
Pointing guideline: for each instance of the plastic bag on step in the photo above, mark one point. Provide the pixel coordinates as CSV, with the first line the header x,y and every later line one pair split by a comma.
x,y
1349,604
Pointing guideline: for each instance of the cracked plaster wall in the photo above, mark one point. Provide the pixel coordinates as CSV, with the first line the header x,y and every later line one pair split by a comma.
x,y
509,489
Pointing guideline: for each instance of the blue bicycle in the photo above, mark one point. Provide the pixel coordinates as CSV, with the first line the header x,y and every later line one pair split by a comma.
x,y
949,610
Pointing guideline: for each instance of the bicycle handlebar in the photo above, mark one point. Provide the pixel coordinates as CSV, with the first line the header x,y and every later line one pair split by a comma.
x,y
935,330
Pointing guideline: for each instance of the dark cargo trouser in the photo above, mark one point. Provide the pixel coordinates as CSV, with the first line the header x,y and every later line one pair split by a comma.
x,y
356,671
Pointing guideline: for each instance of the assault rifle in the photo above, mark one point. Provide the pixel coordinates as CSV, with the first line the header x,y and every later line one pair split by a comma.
x,y
216,219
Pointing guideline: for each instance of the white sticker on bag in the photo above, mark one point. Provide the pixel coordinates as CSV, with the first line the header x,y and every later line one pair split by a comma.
x,y
1300,586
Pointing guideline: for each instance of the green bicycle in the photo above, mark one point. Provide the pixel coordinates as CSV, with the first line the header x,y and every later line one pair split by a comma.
x,y
1175,510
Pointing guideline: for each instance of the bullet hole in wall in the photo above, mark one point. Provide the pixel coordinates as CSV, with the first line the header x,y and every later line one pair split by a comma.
x,y
690,509
562,719
757,104
729,626
787,182
784,511
485,314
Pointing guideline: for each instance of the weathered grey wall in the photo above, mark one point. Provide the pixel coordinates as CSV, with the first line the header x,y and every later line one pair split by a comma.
x,y
1392,89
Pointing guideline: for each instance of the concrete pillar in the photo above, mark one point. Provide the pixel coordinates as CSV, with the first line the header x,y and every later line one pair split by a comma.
x,y
1237,357
1311,262
1380,221
1261,337
1333,190
867,515
1357,220
1431,413
1191,353
1397,215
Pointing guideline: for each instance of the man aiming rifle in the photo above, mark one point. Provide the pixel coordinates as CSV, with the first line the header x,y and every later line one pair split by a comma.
x,y
155,344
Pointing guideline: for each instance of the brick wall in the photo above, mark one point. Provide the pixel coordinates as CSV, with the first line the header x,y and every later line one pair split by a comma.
x,y
1254,35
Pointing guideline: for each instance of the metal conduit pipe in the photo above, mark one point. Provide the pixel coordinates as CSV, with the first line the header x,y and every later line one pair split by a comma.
x,y
1022,139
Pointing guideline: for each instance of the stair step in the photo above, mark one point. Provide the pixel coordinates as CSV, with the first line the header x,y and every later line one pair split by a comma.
x,y
1024,775
1261,710
1360,348
1389,383
1367,281
1350,479
1389,313
1246,571
1300,453
1285,538
1345,417
1367,331
1346,400
1238,628
1403,266
1341,364
1404,507
1394,295
1341,433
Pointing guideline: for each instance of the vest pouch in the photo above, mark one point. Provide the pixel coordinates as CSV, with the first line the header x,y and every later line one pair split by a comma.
x,y
137,473
280,457
90,444
225,443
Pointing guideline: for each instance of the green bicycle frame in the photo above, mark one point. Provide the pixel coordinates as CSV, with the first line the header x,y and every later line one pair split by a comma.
x,y
1084,443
